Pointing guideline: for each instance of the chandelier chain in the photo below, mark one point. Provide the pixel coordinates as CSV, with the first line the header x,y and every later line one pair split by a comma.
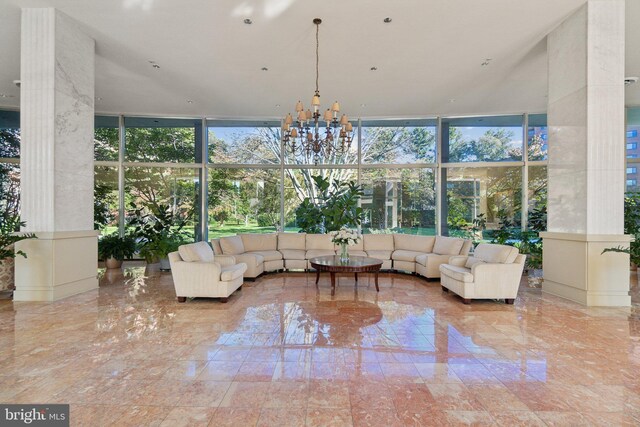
x,y
317,54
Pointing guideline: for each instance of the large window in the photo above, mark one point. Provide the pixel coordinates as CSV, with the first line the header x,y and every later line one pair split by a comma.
x,y
495,193
242,142
399,200
162,140
9,166
633,153
399,141
482,139
106,138
243,200
106,202
173,189
537,137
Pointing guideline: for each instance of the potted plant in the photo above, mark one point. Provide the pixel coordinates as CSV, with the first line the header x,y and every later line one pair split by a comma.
x,y
113,249
158,230
9,227
633,251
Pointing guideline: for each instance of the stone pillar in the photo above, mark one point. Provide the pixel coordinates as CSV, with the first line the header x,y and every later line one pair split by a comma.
x,y
56,159
586,157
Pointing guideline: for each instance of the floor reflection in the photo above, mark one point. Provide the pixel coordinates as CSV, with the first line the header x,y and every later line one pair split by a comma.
x,y
284,349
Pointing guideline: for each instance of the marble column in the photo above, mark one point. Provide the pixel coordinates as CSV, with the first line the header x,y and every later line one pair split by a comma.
x,y
56,159
586,157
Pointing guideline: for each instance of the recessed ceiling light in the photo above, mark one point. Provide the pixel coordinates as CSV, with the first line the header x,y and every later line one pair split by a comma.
x,y
189,101
452,100
248,21
387,20
156,66
264,69
98,99
374,68
486,62
277,105
363,105
630,80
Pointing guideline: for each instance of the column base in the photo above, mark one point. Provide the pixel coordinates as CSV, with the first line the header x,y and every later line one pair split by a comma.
x,y
58,265
576,269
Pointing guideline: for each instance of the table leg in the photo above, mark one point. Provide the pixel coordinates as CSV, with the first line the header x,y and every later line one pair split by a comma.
x,y
317,276
333,283
356,274
376,276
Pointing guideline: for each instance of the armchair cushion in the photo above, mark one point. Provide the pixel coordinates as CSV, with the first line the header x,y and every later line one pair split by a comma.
x,y
461,274
255,242
295,241
199,251
230,272
492,253
447,245
471,261
232,245
413,243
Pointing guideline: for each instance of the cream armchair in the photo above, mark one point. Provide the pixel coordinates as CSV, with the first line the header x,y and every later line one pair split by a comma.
x,y
198,273
493,272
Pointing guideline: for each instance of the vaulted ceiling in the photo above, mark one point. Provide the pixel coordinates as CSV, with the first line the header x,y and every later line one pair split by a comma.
x,y
428,58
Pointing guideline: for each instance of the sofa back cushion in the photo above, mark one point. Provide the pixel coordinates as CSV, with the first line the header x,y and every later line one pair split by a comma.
x,y
471,261
292,241
232,245
319,241
378,242
447,245
495,253
199,251
409,242
259,242
215,244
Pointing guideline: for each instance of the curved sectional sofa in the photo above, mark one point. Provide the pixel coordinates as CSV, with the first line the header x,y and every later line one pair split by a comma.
x,y
261,253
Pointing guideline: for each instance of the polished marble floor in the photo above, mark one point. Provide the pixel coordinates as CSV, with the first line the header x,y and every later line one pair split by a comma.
x,y
282,352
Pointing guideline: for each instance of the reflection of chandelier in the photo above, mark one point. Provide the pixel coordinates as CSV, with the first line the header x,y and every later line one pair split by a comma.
x,y
305,131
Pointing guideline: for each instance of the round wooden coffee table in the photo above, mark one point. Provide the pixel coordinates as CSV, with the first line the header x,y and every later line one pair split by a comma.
x,y
355,264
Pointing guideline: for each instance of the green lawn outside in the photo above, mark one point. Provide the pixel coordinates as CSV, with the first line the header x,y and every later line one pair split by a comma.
x,y
232,229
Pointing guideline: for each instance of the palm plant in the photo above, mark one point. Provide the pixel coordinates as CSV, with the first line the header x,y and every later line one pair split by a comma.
x,y
9,225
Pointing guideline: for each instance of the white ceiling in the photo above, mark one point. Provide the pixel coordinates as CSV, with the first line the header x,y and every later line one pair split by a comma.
x,y
428,58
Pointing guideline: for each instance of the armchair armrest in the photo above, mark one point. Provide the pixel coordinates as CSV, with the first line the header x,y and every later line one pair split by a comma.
x,y
458,260
225,260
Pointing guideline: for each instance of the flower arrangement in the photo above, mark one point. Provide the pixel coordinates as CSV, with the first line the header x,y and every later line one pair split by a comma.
x,y
345,237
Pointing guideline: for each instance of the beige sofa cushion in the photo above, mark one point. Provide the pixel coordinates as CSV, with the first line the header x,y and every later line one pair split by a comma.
x,y
292,241
199,251
359,246
319,241
458,273
268,255
404,255
378,242
253,242
290,254
383,255
410,242
471,261
215,244
495,253
447,245
232,245
232,272
319,252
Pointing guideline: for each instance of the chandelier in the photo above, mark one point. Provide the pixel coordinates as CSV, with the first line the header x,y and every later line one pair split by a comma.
x,y
303,136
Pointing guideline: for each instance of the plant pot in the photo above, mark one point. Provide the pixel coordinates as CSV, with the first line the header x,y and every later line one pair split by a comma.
x,y
164,264
112,263
534,278
7,274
